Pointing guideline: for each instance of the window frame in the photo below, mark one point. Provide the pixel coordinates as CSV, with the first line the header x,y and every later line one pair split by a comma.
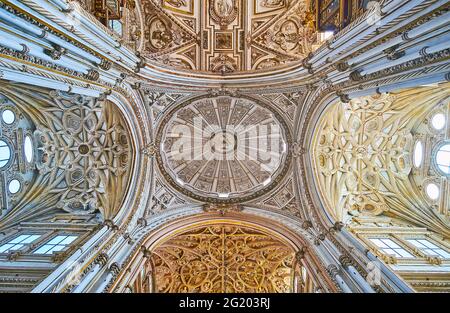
x,y
49,239
401,245
46,234
25,247
431,241
8,109
436,165
111,27
12,153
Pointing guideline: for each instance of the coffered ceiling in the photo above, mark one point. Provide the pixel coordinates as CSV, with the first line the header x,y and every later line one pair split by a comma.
x,y
226,36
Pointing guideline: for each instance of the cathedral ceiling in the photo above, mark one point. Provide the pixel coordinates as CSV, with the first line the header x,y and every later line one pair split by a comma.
x,y
226,36
223,258
223,149
364,153
79,159
368,165
173,193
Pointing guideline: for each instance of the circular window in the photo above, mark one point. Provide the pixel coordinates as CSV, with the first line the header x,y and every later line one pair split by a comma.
x,y
28,149
14,186
5,153
442,158
438,121
418,154
432,191
8,116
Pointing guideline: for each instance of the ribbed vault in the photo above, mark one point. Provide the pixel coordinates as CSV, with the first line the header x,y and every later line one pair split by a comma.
x,y
81,160
363,156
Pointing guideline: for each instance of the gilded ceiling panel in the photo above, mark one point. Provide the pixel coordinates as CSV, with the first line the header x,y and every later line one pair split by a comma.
x,y
227,36
223,258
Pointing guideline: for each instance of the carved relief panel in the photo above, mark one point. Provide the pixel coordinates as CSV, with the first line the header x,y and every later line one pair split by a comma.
x,y
227,36
223,258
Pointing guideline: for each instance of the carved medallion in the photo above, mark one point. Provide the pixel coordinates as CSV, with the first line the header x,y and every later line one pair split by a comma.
x,y
160,35
223,12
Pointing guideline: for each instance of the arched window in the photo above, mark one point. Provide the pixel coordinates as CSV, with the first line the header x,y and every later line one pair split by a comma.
x,y
5,154
442,158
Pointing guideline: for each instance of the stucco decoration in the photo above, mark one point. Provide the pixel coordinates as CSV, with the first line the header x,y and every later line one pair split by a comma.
x,y
84,154
223,258
223,149
363,158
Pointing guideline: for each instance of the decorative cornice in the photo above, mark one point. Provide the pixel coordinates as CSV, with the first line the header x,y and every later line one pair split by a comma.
x,y
46,29
23,55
